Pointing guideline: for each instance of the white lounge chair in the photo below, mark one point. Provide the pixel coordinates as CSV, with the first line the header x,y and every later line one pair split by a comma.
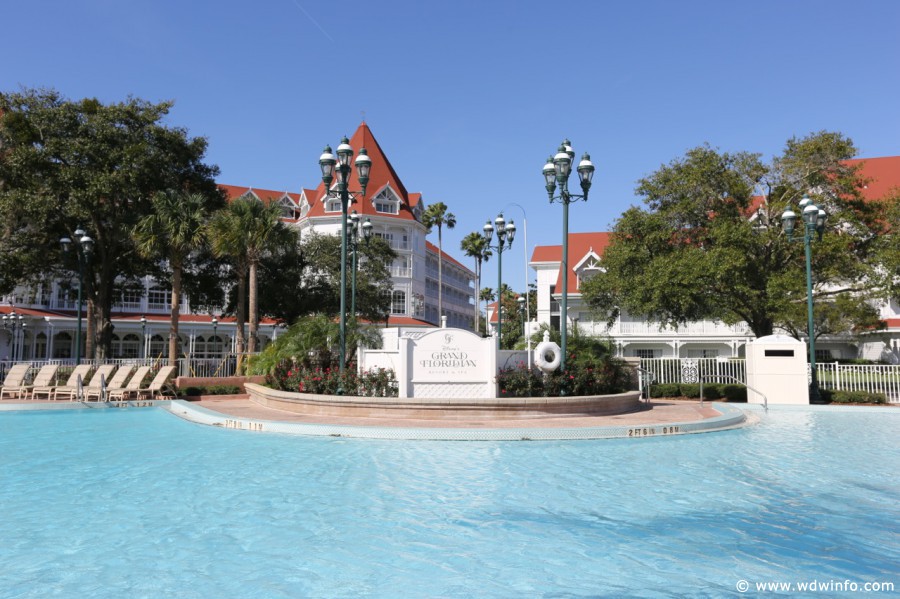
x,y
70,389
156,388
116,382
14,383
133,386
43,380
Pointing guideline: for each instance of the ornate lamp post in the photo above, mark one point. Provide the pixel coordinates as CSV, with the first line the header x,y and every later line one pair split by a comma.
x,y
354,232
328,163
215,338
814,222
15,324
143,337
556,174
521,301
83,247
505,235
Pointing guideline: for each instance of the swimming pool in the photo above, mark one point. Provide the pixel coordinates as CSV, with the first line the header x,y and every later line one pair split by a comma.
x,y
138,503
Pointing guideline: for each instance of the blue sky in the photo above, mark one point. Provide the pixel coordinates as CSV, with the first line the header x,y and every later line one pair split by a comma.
x,y
468,98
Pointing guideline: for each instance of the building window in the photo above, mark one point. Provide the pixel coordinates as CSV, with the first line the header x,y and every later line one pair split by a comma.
x,y
333,205
386,203
159,299
62,346
647,354
158,347
398,302
287,208
130,346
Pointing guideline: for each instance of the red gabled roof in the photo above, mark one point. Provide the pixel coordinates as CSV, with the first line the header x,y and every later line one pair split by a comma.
x,y
580,244
433,248
233,192
380,175
397,321
883,174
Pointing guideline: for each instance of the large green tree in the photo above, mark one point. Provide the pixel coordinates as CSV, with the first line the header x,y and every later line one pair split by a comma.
x,y
319,264
65,164
174,230
437,215
889,250
477,247
708,243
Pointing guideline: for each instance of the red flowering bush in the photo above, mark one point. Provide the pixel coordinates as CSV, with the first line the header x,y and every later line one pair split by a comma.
x,y
290,376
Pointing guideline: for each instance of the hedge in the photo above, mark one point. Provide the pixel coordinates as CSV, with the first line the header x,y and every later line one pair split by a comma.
x,y
833,396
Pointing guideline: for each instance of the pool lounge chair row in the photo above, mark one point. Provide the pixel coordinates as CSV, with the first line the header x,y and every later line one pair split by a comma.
x,y
115,388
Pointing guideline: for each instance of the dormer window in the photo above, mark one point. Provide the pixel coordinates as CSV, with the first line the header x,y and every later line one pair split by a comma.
x,y
288,210
386,202
587,268
333,205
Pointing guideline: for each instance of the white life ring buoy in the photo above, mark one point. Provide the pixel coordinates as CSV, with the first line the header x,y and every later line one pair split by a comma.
x,y
547,356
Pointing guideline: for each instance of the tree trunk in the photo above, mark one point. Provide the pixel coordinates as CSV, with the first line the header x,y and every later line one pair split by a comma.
x,y
254,311
440,278
241,315
762,326
173,315
477,295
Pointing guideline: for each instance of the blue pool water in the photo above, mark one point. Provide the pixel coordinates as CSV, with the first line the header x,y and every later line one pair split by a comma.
x,y
137,503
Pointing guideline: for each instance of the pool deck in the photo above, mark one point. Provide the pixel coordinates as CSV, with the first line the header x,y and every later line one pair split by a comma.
x,y
661,413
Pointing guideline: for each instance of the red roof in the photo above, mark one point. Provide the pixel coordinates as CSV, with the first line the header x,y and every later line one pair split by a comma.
x,y
580,245
883,174
397,321
892,323
381,175
433,248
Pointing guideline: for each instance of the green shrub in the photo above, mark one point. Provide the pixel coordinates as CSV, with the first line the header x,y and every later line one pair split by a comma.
x,y
664,390
734,393
712,391
196,390
690,390
854,397
222,390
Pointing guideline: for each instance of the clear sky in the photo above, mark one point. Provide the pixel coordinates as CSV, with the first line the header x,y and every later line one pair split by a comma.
x,y
468,98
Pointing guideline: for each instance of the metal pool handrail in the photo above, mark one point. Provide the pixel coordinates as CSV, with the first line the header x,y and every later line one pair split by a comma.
x,y
740,382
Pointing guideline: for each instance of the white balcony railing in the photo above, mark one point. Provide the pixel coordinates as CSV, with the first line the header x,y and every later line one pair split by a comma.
x,y
703,327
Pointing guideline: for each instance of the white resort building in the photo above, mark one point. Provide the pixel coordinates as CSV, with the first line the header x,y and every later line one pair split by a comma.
x,y
41,322
635,336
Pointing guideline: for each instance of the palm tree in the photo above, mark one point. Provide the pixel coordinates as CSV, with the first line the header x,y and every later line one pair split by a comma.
x,y
476,246
487,295
244,232
175,228
436,215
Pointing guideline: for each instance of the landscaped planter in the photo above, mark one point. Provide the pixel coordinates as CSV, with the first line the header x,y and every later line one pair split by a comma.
x,y
443,409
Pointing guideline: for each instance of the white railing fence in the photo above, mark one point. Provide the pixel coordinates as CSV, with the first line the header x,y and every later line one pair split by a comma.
x,y
689,370
225,365
871,378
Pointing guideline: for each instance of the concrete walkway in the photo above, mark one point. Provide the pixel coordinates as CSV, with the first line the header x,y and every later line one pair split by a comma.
x,y
661,412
